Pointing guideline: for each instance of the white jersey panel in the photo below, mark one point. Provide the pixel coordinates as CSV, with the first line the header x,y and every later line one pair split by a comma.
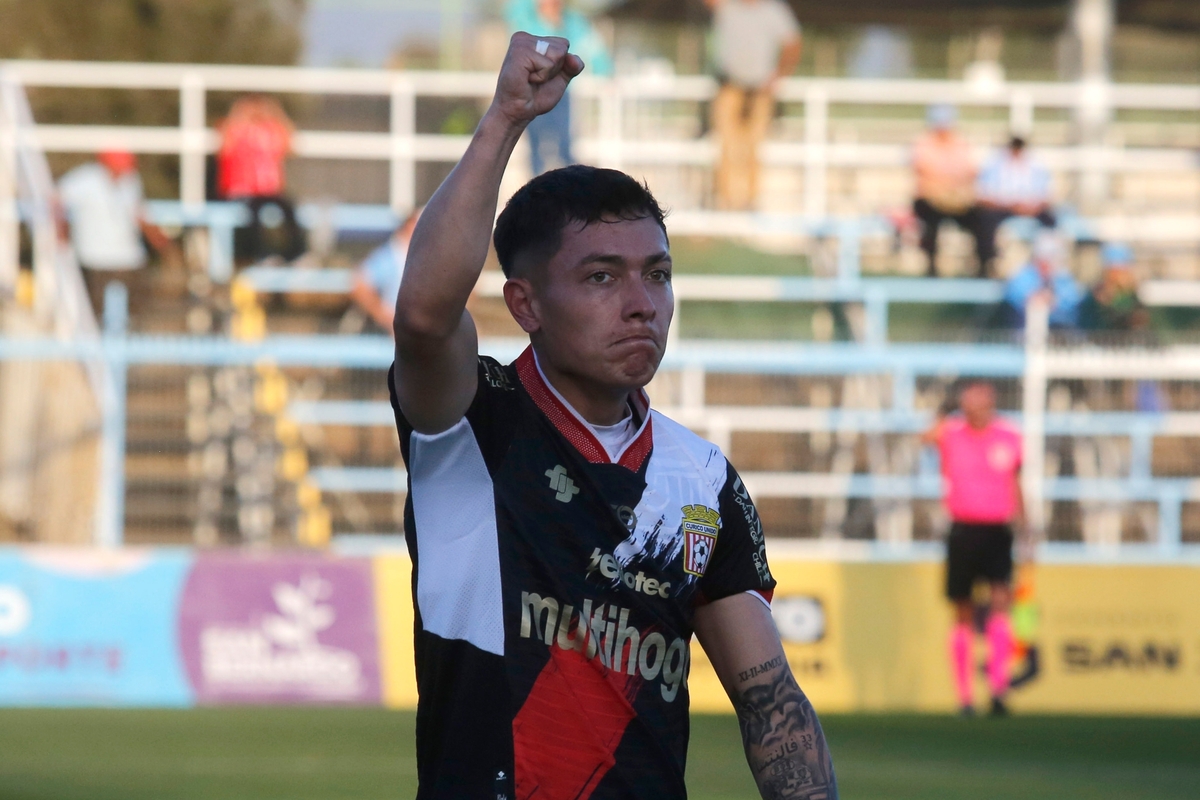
x,y
458,555
684,470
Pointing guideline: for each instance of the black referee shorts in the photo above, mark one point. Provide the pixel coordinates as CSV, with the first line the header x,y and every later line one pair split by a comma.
x,y
977,551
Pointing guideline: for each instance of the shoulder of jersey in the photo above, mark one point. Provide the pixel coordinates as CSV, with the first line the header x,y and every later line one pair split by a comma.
x,y
497,375
707,456
1007,426
953,424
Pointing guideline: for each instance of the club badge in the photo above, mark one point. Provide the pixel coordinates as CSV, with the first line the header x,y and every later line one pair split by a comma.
x,y
700,527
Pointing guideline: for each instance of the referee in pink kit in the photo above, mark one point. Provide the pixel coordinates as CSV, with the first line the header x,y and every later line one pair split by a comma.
x,y
981,464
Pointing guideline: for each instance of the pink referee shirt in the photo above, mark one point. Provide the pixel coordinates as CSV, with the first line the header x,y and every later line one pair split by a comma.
x,y
979,470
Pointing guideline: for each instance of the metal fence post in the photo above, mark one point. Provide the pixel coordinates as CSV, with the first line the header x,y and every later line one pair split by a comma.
x,y
110,500
816,129
612,123
403,129
1020,112
1033,457
193,125
10,230
875,303
1170,528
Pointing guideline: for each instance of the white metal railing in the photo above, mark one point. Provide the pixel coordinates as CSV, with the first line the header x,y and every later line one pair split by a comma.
x,y
403,147
29,193
61,303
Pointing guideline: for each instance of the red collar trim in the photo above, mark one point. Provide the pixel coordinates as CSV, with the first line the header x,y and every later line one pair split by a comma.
x,y
574,428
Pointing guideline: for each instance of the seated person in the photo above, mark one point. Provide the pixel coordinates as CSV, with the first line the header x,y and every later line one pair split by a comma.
x,y
1045,272
256,139
1113,303
945,176
1011,184
377,279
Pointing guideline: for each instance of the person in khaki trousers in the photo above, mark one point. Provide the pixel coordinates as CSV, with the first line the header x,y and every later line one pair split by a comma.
x,y
757,42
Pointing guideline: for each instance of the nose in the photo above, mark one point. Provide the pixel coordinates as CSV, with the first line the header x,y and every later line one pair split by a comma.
x,y
638,301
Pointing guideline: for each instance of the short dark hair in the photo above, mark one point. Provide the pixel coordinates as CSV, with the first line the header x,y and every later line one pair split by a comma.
x,y
1016,142
534,218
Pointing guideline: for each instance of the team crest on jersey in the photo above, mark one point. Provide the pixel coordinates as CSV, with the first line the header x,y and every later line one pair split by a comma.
x,y
700,527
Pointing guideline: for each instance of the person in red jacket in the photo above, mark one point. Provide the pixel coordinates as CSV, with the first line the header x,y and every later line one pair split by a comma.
x,y
256,139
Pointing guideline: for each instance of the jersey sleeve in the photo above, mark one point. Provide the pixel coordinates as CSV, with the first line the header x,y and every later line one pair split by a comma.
x,y
739,560
490,414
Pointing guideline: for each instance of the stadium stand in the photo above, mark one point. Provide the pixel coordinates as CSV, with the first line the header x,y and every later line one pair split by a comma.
x,y
245,407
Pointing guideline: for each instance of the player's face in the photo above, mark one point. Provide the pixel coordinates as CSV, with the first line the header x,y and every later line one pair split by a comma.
x,y
604,302
979,404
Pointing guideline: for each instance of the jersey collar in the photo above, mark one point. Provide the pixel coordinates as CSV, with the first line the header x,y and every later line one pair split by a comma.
x,y
574,428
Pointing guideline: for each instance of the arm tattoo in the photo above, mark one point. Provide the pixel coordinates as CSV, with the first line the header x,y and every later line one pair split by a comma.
x,y
761,669
784,742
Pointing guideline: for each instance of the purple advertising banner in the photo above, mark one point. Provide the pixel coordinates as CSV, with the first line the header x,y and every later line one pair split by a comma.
x,y
280,629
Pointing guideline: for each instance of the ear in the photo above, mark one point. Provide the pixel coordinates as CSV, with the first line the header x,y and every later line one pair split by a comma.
x,y
519,297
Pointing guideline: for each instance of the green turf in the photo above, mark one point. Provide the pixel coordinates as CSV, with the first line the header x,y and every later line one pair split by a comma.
x,y
325,754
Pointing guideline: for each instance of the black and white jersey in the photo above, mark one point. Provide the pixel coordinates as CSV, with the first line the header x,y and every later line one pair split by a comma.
x,y
554,590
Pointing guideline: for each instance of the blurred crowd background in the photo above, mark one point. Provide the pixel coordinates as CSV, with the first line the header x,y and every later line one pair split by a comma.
x,y
1009,149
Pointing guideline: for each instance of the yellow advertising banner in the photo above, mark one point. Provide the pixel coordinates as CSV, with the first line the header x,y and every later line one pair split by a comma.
x,y
872,637
394,615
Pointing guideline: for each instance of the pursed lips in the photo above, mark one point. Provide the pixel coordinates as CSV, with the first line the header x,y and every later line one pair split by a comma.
x,y
638,338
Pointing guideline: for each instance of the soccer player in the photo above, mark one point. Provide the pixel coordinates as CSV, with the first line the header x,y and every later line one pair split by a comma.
x,y
566,539
981,463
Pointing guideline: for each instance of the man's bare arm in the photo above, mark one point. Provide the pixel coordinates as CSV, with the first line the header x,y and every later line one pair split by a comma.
x,y
436,343
789,57
784,743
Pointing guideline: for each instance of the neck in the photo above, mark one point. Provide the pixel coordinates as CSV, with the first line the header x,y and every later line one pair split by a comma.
x,y
597,404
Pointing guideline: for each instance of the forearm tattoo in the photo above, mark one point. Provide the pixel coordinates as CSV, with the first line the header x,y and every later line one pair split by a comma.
x,y
784,742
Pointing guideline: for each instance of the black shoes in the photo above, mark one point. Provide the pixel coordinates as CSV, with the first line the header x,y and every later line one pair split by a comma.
x,y
998,708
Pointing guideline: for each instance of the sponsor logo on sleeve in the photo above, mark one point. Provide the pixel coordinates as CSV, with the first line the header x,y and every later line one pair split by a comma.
x,y
754,524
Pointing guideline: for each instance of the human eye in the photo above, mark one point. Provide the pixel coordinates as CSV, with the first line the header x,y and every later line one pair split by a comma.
x,y
599,277
660,275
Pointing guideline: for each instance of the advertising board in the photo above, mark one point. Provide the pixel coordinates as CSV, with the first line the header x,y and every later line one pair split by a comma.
x,y
280,628
86,627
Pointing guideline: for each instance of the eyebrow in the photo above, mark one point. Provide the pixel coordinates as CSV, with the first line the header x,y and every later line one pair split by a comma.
x,y
613,258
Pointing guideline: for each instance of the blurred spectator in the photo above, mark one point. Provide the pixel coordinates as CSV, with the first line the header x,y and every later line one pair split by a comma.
x,y
256,138
1113,303
1045,272
550,134
945,172
1113,306
757,42
103,217
377,279
1011,184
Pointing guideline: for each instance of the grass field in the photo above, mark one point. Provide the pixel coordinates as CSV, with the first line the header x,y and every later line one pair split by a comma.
x,y
364,754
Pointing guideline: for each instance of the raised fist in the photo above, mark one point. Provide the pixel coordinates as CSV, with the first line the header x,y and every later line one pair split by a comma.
x,y
534,76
